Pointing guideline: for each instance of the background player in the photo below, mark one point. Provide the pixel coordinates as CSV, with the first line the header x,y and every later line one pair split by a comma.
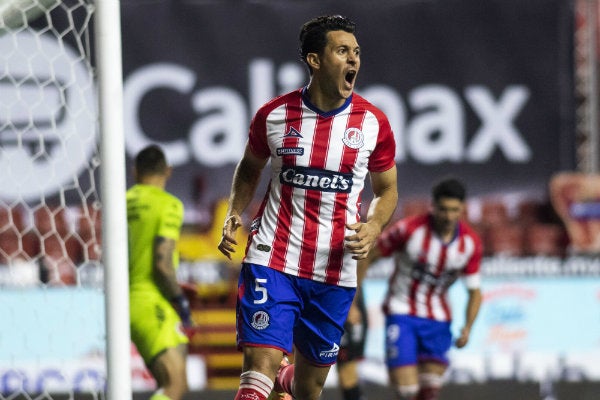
x,y
298,277
431,251
154,219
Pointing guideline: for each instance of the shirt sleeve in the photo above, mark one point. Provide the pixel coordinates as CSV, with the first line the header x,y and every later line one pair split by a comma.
x,y
171,220
393,238
257,136
471,273
383,155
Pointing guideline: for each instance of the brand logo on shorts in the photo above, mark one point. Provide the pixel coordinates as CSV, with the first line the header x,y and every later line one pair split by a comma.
x,y
330,353
260,320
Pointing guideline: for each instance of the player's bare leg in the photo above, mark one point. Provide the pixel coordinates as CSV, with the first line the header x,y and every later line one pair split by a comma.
x,y
169,370
405,382
259,371
309,379
430,380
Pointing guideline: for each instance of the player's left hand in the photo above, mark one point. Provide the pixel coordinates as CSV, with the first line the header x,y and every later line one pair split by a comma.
x,y
363,239
463,339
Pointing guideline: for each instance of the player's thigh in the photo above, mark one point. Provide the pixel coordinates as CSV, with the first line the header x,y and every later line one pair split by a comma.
x,y
432,368
169,367
309,378
265,360
401,342
435,340
155,326
267,308
404,376
318,331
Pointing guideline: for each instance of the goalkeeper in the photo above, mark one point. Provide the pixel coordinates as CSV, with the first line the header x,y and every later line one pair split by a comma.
x,y
158,306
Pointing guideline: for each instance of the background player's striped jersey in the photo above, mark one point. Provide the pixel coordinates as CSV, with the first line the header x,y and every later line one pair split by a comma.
x,y
425,266
319,163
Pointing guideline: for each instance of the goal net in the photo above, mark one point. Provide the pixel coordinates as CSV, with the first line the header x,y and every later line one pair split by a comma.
x,y
52,344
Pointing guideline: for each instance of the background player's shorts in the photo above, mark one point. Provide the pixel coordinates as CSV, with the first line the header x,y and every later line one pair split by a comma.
x,y
353,340
155,325
278,310
410,340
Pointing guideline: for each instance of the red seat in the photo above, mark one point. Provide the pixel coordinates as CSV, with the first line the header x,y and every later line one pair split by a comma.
x,y
415,206
58,249
546,240
504,239
89,230
494,213
15,243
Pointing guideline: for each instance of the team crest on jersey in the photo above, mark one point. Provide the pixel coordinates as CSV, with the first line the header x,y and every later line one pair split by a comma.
x,y
293,133
260,320
354,138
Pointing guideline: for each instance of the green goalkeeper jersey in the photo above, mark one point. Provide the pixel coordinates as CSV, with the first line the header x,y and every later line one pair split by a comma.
x,y
151,212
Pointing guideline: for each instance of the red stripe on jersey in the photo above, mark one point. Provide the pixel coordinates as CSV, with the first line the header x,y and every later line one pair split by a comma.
x,y
438,271
349,156
284,216
423,261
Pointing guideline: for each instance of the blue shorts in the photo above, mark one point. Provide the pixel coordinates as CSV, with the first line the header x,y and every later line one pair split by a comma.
x,y
277,310
411,340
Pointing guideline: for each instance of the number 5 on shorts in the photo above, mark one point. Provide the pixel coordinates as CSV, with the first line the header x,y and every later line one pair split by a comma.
x,y
261,289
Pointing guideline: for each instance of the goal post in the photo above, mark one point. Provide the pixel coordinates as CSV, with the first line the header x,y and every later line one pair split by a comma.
x,y
112,150
63,283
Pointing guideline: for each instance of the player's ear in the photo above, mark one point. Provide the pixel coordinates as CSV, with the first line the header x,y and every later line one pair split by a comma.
x,y
169,171
313,60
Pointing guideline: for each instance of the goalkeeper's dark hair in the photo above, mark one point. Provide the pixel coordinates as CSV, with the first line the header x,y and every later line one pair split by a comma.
x,y
313,34
449,187
151,160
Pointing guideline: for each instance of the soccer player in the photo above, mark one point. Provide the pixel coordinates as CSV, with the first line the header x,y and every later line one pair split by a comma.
x,y
157,303
431,251
298,276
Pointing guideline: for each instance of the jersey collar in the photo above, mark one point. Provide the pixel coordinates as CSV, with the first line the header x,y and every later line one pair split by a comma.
x,y
322,113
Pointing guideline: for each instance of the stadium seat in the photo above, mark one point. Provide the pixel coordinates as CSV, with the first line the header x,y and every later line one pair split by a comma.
x,y
415,206
58,249
545,239
89,230
504,240
16,244
494,213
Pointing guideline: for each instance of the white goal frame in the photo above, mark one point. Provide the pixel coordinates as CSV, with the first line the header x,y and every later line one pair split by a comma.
x,y
113,186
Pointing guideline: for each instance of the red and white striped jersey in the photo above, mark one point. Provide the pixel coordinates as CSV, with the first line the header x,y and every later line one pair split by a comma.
x,y
425,266
319,162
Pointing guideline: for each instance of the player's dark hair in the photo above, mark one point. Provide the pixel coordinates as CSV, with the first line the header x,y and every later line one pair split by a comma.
x,y
150,160
313,35
450,187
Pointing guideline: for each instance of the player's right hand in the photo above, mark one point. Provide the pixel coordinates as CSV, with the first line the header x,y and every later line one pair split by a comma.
x,y
226,246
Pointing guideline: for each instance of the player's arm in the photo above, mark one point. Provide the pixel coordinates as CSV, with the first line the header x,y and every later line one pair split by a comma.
x,y
472,309
166,279
245,181
380,211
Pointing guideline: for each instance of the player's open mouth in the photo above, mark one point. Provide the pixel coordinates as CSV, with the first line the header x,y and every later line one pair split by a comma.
x,y
349,77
